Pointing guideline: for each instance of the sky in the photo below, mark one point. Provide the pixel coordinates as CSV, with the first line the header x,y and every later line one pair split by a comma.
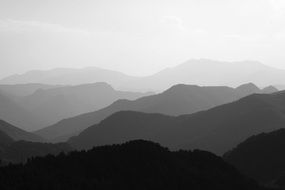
x,y
138,37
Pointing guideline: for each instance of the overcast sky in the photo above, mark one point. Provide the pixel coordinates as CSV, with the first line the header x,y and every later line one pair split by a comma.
x,y
138,37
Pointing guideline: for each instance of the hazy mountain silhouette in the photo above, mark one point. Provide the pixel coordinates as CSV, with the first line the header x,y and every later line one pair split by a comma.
x,y
16,133
15,114
66,76
261,156
133,165
217,130
196,71
64,102
280,87
213,73
269,90
178,100
23,89
248,89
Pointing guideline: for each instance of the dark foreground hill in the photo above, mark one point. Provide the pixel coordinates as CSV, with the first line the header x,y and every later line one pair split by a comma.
x,y
261,157
217,130
133,165
14,151
177,100
4,140
21,151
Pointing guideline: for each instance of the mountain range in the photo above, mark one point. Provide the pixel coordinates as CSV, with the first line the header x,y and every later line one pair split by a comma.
x,y
63,128
68,101
217,130
197,71
177,100
35,106
67,76
20,90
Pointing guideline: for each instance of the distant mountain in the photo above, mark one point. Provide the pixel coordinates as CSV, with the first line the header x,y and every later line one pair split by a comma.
x,y
66,76
213,73
280,87
15,114
178,100
64,102
197,71
250,88
261,157
16,133
269,90
23,89
134,165
217,130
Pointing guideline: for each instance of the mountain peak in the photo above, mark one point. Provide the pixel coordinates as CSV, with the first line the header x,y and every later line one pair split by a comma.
x,y
248,85
270,89
181,87
99,85
248,88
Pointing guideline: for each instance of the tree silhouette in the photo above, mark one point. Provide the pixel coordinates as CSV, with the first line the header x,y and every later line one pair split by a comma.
x,y
133,165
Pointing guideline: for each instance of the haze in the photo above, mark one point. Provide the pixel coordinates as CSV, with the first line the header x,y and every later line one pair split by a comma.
x,y
138,37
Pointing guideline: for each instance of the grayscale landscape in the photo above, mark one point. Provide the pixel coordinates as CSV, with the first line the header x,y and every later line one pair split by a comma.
x,y
142,95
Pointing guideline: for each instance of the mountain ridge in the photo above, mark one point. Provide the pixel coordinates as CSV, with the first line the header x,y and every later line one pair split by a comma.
x,y
195,71
177,100
59,103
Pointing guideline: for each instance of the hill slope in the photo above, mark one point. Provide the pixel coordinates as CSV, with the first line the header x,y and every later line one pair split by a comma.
x,y
133,165
261,156
178,100
19,90
18,134
15,114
